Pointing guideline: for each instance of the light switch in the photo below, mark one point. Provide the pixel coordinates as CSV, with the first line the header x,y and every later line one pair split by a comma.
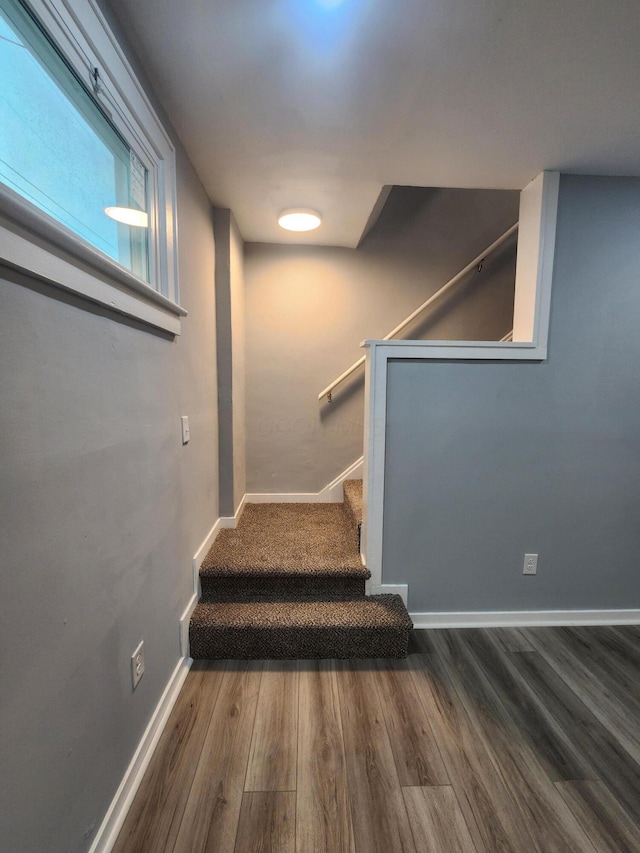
x,y
186,435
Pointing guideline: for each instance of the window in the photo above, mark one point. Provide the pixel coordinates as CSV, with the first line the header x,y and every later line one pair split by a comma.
x,y
84,162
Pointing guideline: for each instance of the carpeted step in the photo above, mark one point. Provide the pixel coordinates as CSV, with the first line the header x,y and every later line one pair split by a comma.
x,y
353,504
282,587
284,552
375,627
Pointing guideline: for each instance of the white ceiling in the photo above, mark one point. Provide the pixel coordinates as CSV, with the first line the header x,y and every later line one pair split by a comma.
x,y
319,103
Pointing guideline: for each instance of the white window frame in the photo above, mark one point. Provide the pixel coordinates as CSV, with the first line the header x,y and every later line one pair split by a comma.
x,y
33,242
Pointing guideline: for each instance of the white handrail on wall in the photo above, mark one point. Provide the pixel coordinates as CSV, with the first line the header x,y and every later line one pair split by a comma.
x,y
327,392
508,337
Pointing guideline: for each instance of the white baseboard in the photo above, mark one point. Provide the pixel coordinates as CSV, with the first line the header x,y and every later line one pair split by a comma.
x,y
121,803
400,589
332,493
184,625
201,553
231,521
223,523
525,618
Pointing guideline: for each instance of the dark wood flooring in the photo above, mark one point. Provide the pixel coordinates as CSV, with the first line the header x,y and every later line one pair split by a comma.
x,y
480,741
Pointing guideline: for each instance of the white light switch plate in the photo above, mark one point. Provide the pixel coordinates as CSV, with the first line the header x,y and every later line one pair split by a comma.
x,y
186,434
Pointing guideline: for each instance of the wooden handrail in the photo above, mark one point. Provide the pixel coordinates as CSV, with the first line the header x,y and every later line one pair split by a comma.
x,y
328,391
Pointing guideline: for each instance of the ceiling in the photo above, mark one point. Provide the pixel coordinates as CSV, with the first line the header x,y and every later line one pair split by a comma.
x,y
320,103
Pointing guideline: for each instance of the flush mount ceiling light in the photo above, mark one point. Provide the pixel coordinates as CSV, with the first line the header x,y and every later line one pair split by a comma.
x,y
299,219
128,216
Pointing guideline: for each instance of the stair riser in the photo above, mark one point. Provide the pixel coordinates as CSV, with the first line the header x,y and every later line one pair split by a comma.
x,y
281,589
209,643
351,516
353,502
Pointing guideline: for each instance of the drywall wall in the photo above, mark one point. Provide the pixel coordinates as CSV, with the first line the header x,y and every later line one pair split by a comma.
x,y
102,512
487,461
231,360
236,269
308,309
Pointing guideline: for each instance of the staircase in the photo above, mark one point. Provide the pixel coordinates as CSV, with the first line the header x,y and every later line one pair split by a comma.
x,y
288,582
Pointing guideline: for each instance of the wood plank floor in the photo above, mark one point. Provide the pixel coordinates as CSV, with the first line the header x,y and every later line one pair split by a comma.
x,y
480,741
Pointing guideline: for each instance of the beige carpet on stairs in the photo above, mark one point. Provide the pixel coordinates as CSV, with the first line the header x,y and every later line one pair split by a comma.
x,y
299,539
288,582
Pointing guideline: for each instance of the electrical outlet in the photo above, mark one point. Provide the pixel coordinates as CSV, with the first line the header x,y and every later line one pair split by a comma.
x,y
530,566
137,664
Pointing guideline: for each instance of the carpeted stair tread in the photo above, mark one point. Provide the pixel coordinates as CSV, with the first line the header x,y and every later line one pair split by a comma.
x,y
377,626
296,540
353,500
375,610
288,582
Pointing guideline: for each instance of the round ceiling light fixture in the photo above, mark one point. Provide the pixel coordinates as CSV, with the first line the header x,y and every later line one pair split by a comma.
x,y
128,216
299,219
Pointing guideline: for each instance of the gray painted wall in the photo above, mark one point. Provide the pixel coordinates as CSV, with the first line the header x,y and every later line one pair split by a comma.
x,y
231,360
308,309
238,344
487,461
102,512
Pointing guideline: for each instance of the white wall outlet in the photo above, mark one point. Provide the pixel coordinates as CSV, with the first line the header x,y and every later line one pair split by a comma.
x,y
530,566
186,434
137,664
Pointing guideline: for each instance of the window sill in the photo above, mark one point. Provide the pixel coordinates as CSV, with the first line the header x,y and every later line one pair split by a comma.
x,y
37,245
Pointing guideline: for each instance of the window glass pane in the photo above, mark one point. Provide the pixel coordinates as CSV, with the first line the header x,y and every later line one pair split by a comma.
x,y
60,151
